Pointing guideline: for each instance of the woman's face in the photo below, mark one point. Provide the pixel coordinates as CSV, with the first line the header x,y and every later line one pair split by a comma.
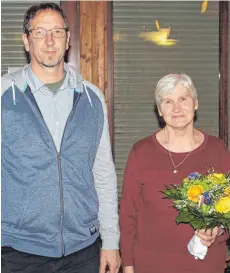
x,y
178,108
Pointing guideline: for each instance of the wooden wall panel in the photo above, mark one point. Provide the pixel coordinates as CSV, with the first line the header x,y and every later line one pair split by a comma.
x,y
98,60
223,63
86,40
93,42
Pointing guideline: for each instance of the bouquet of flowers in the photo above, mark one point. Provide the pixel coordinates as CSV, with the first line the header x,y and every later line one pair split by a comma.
x,y
203,201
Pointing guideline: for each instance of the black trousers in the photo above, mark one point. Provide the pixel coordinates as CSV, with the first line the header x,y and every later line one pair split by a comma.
x,y
84,261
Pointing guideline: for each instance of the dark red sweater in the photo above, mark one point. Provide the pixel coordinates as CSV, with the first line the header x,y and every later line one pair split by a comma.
x,y
150,238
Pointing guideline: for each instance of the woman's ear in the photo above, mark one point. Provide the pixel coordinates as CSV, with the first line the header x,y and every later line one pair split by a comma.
x,y
196,104
159,112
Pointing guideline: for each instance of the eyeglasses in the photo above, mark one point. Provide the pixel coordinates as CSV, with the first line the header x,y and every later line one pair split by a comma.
x,y
40,33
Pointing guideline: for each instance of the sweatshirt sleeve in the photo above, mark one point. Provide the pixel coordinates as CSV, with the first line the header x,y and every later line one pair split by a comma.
x,y
106,187
128,211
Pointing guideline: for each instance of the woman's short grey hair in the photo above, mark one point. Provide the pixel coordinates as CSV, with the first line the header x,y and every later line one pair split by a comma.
x,y
168,83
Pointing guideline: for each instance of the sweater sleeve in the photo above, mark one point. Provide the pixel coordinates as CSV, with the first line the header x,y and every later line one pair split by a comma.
x,y
128,211
226,158
225,161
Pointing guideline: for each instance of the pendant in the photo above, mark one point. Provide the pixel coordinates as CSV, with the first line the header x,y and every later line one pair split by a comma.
x,y
175,171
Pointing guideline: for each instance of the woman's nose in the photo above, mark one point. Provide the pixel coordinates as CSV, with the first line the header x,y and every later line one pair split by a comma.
x,y
176,107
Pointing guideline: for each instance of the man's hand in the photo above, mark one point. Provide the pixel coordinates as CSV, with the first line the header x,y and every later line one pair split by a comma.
x,y
110,258
208,236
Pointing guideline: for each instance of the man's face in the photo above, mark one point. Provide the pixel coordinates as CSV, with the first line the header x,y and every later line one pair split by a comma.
x,y
47,51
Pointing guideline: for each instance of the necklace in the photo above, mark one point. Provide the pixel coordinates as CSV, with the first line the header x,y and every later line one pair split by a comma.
x,y
170,155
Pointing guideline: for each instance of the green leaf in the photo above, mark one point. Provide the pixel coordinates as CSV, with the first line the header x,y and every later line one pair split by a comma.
x,y
183,217
197,223
226,224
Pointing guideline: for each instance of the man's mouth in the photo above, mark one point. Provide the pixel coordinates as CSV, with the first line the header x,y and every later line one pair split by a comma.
x,y
50,51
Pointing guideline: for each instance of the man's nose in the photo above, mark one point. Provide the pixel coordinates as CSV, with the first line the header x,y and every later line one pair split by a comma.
x,y
49,38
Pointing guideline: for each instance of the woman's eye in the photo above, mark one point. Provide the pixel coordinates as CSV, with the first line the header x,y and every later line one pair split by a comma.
x,y
38,31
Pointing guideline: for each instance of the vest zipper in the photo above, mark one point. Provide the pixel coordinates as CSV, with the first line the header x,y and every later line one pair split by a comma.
x,y
61,201
59,162
60,176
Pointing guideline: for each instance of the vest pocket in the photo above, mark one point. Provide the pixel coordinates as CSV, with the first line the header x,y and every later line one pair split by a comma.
x,y
41,212
13,208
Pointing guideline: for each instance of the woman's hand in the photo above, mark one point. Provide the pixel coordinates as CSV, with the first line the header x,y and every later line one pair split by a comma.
x,y
128,269
208,236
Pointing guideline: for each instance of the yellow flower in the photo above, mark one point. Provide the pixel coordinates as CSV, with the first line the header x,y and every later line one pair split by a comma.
x,y
217,178
227,191
223,205
194,192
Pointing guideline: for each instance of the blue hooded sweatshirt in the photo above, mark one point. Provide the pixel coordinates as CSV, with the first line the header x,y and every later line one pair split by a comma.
x,y
50,199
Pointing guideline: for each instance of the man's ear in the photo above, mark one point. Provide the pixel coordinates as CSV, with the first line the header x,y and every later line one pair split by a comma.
x,y
26,42
68,40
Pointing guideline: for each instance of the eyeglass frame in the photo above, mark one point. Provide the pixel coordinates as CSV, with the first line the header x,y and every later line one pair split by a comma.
x,y
46,31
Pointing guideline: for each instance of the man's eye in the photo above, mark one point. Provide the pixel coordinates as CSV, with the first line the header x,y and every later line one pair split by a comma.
x,y
58,31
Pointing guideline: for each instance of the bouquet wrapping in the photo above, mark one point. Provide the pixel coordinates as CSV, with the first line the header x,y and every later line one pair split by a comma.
x,y
203,201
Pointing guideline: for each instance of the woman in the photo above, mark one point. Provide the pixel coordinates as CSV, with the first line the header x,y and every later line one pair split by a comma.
x,y
151,241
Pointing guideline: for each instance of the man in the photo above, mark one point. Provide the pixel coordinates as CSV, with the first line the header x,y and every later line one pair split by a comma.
x,y
58,178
